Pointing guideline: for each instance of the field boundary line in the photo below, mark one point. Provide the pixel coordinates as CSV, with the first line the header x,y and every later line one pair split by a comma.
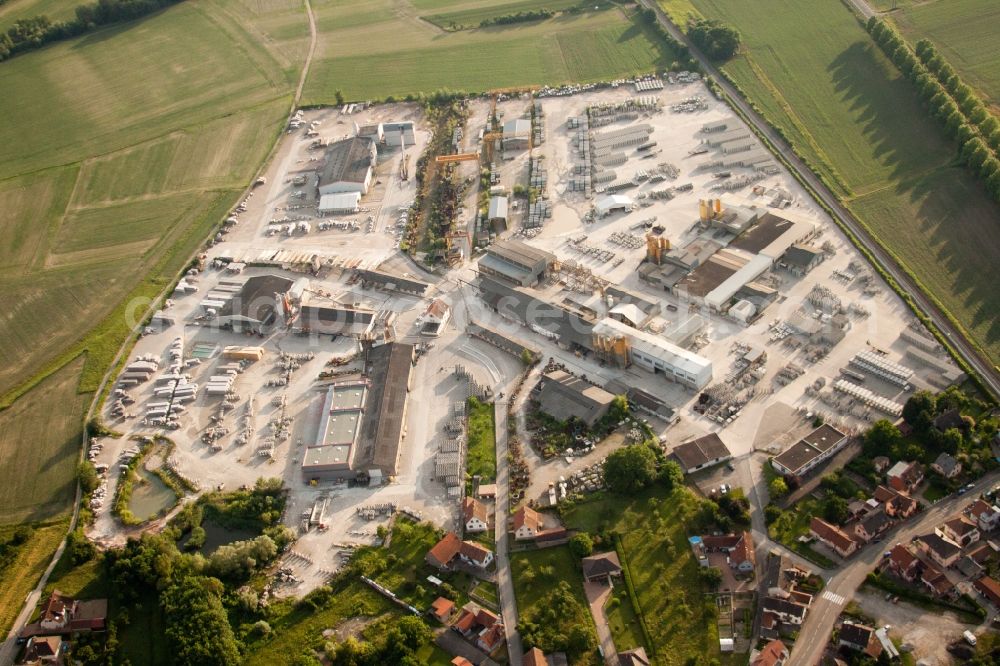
x,y
30,601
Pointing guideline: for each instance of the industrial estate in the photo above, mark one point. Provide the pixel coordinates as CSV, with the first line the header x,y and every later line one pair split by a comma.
x,y
593,372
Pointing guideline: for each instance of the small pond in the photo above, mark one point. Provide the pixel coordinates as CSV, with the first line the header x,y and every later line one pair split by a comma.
x,y
150,496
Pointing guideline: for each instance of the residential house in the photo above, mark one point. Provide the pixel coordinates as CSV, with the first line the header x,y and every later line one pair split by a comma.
x,y
739,548
936,581
475,516
62,615
833,536
904,476
491,638
860,638
442,609
461,661
872,525
959,530
480,626
774,654
634,657
475,554
895,504
527,524
969,568
990,589
986,515
44,650
444,552
788,612
534,657
939,549
903,563
601,566
435,317
948,419
946,466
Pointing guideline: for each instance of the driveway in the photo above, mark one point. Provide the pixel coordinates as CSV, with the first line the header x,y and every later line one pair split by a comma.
x,y
597,598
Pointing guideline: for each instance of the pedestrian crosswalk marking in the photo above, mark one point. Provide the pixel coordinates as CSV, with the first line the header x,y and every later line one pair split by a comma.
x,y
835,598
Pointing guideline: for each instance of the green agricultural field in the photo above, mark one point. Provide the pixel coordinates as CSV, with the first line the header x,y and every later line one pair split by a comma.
x,y
664,573
19,577
482,455
848,110
39,444
375,49
967,32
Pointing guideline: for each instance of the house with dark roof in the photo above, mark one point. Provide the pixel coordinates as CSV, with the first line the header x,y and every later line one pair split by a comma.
x,y
564,396
601,566
859,638
738,547
935,581
872,525
903,563
896,504
939,549
44,650
959,530
811,451
800,259
951,418
947,466
701,453
788,612
834,537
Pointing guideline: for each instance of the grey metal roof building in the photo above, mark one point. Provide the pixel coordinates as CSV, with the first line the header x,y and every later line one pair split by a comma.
x,y
392,282
334,318
349,166
702,452
565,396
255,307
498,208
364,419
516,261
570,329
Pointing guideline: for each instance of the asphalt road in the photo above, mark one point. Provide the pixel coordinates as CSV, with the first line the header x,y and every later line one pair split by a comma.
x,y
823,611
505,579
983,367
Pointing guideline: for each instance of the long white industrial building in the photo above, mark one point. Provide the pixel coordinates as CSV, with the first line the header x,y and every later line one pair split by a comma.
x,y
658,355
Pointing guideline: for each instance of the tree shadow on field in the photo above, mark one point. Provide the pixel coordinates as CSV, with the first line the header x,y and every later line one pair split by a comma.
x,y
956,215
900,134
103,34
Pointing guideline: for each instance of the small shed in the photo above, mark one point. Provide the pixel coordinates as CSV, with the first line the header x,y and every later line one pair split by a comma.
x,y
339,204
498,209
612,203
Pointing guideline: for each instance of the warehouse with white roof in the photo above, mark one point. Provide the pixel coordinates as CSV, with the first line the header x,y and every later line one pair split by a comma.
x,y
652,353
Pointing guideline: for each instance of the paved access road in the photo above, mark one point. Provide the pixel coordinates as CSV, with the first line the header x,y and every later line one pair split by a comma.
x,y
983,367
840,587
505,578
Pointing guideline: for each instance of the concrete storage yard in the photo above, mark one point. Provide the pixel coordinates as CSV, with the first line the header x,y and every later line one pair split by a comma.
x,y
694,327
